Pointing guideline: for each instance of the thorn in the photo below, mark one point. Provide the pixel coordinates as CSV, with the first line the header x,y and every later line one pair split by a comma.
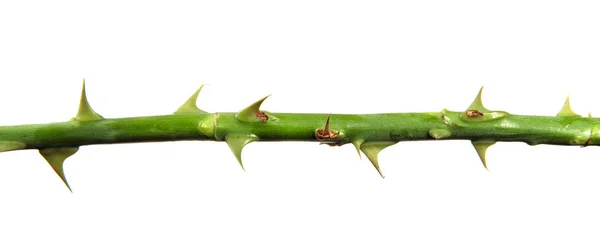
x,y
477,103
372,149
357,143
236,144
566,109
85,112
190,104
11,145
326,133
326,130
481,148
252,113
56,158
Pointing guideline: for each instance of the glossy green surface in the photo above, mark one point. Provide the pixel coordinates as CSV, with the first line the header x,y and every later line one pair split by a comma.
x,y
561,130
107,131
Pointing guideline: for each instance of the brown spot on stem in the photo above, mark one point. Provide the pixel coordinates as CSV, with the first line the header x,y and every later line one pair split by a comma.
x,y
473,113
326,133
262,116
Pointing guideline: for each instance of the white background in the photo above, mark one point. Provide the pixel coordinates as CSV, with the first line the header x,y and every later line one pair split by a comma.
x,y
146,58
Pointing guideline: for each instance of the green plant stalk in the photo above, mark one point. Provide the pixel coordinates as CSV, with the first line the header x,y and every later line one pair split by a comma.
x,y
369,133
393,127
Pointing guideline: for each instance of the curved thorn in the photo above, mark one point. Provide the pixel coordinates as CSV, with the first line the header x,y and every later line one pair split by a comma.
x,y
56,158
372,149
477,103
237,142
481,148
252,113
85,112
566,109
190,105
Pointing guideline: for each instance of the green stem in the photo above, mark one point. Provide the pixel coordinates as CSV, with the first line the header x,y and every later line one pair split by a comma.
x,y
369,133
393,127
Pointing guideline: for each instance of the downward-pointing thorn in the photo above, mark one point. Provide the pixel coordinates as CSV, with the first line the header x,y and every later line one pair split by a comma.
x,y
481,148
236,144
372,149
56,158
357,143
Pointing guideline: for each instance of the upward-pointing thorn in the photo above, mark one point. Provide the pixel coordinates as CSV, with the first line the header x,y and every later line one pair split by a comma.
x,y
56,158
372,149
236,144
326,133
190,104
477,103
566,109
326,129
481,148
85,112
253,113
